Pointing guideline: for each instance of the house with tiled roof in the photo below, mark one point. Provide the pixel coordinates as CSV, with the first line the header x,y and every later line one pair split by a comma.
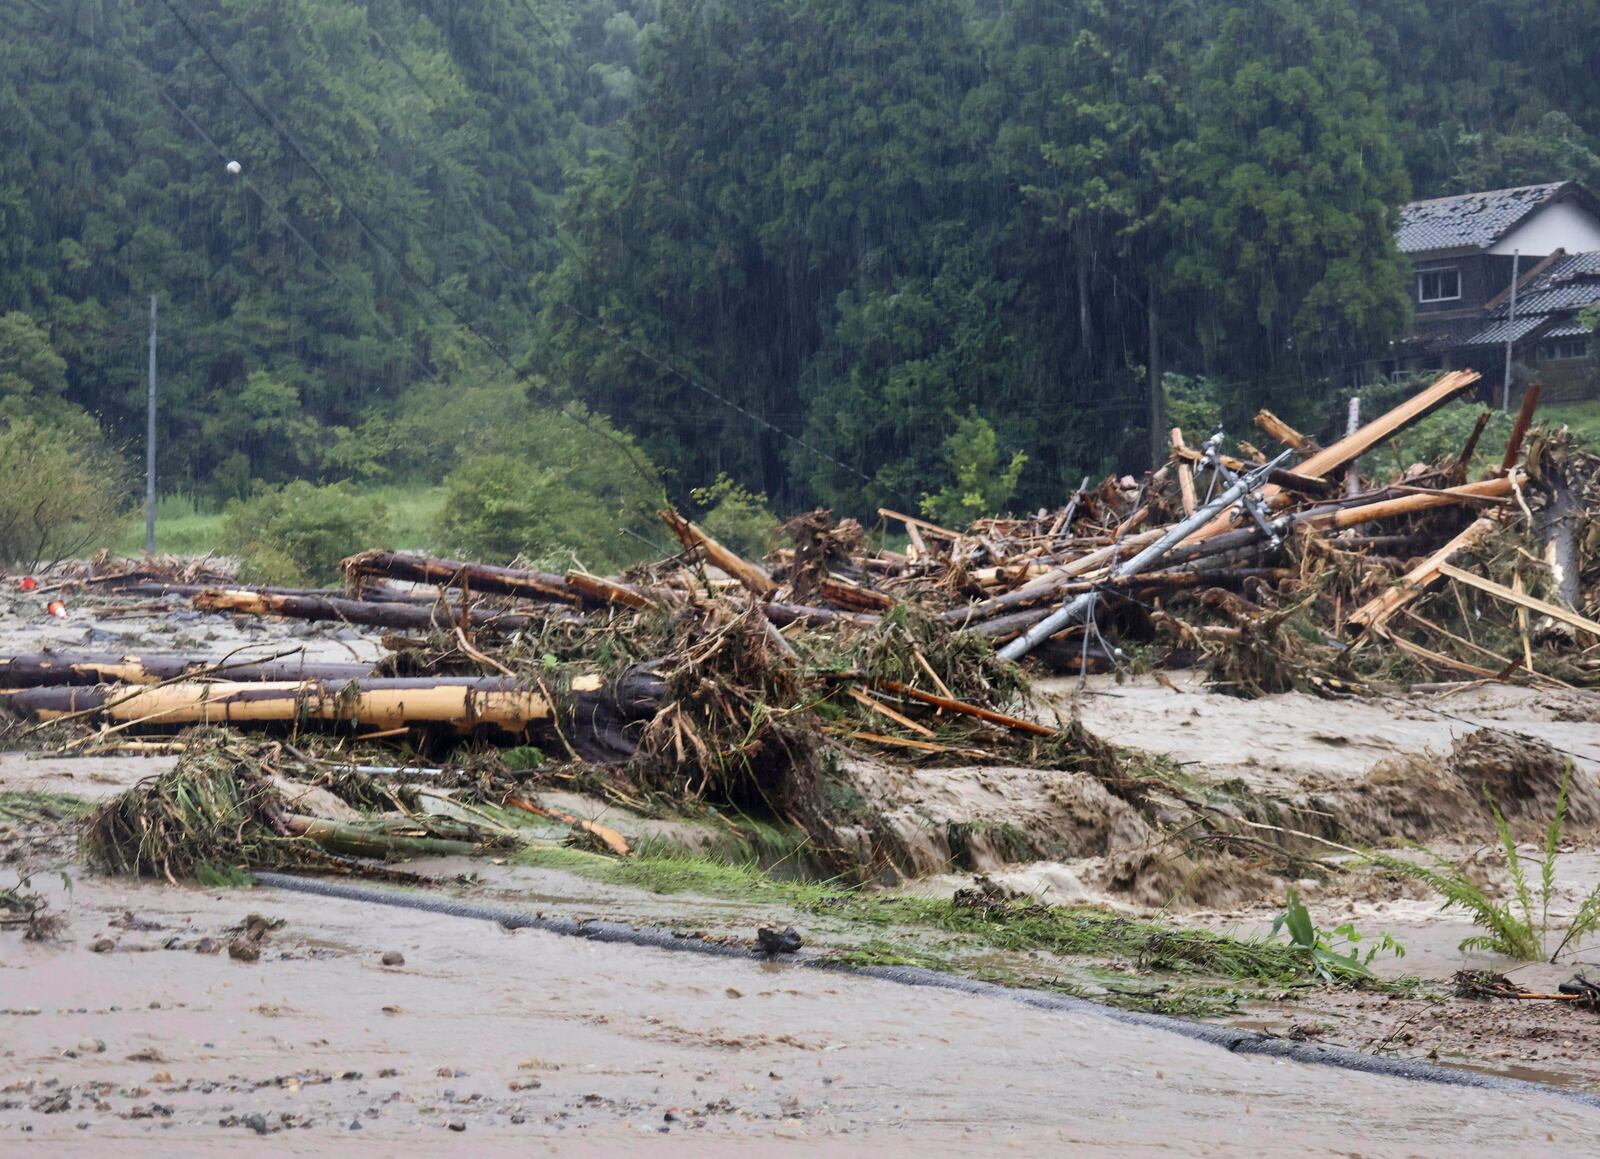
x,y
1466,251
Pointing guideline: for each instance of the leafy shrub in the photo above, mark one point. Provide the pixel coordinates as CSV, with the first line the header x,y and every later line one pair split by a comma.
x,y
1195,404
737,517
60,491
982,485
1443,433
299,532
1511,927
563,485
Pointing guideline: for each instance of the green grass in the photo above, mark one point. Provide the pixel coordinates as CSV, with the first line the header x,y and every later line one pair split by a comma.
x,y
1016,927
183,527
1582,417
189,526
19,806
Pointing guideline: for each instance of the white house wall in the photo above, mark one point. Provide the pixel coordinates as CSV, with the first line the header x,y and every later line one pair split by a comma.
x,y
1564,225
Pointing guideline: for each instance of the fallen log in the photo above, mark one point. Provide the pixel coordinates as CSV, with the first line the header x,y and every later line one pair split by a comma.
x,y
39,669
691,536
1375,612
482,578
596,718
1186,494
1347,450
409,617
1278,429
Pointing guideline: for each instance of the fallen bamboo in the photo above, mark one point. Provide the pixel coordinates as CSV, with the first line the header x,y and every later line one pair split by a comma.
x,y
597,716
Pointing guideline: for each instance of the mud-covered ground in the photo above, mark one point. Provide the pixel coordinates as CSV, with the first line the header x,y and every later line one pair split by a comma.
x,y
133,1023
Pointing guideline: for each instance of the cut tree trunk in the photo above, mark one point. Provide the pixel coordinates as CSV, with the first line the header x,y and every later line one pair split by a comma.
x,y
691,536
597,719
477,577
41,669
407,617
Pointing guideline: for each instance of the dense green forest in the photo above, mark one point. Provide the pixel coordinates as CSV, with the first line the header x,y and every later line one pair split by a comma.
x,y
567,254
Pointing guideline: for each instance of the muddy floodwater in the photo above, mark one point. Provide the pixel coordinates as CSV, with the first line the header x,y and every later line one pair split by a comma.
x,y
511,1039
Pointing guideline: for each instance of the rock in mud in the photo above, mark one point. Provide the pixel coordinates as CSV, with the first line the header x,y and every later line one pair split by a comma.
x,y
393,958
773,942
103,944
243,949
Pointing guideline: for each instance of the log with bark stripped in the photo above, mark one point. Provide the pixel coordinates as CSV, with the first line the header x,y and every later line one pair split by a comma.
x,y
598,719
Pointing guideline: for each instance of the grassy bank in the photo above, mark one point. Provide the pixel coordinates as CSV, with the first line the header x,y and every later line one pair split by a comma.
x,y
187,526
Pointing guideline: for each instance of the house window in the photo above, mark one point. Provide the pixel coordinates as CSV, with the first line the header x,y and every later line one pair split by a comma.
x,y
1439,285
1560,349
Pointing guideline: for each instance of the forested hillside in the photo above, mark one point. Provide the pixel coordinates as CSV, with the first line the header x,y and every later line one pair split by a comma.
x,y
958,252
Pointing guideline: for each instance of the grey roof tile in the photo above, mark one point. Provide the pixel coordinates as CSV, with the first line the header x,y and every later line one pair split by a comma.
x,y
1469,219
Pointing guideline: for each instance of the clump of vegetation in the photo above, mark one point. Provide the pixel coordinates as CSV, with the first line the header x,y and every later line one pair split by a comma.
x,y
299,532
563,484
59,491
219,812
1517,928
984,481
737,517
1333,956
1441,436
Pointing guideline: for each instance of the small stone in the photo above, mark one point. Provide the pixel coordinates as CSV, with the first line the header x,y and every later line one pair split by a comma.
x,y
92,1045
103,944
208,946
393,958
355,1125
458,1125
256,1121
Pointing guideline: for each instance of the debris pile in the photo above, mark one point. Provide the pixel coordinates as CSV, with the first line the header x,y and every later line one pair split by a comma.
x,y
743,685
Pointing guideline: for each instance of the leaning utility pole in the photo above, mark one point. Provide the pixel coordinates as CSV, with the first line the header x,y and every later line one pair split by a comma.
x,y
1511,329
150,444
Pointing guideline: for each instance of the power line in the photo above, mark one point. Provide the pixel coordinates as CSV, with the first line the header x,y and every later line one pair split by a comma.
x,y
416,281
162,91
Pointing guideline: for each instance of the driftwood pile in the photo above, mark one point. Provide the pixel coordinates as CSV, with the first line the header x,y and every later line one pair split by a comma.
x,y
709,676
